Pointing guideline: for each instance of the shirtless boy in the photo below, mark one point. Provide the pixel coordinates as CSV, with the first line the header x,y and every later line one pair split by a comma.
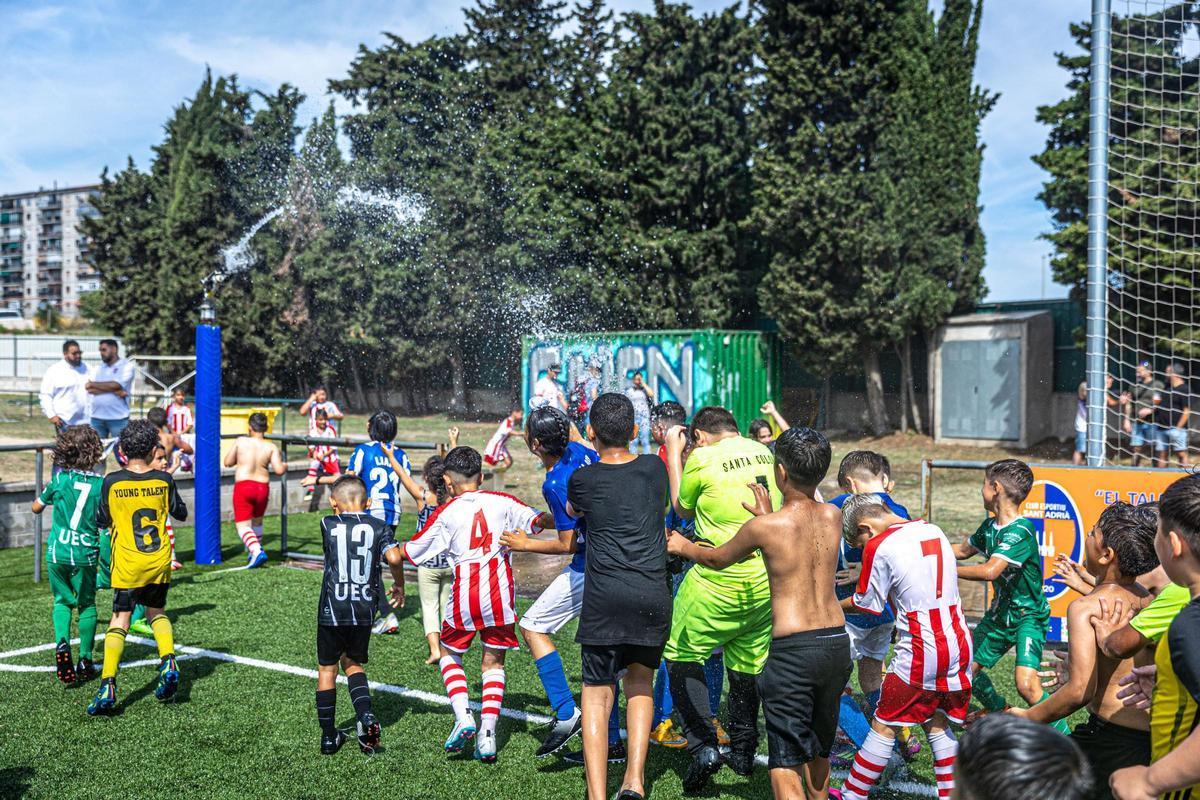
x,y
254,459
1116,551
809,659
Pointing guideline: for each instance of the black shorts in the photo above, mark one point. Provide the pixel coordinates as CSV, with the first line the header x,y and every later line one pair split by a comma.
x,y
801,688
152,595
335,641
605,664
1109,747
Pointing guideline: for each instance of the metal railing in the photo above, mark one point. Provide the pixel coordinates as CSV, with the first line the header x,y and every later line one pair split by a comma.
x,y
39,463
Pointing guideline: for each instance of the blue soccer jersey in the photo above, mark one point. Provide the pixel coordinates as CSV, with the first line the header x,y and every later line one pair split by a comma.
x,y
554,490
369,462
851,555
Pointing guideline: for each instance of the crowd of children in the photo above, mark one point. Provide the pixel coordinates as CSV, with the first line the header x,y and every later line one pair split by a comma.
x,y
715,562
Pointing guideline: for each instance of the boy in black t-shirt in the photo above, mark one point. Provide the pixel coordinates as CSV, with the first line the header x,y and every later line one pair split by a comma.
x,y
355,543
626,614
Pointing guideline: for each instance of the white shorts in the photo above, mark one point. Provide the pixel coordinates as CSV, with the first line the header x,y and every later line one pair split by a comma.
x,y
560,603
870,642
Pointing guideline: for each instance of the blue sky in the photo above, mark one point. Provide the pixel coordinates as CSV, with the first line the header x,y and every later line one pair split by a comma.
x,y
88,83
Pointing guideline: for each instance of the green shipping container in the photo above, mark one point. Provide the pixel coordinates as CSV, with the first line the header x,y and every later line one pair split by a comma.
x,y
735,369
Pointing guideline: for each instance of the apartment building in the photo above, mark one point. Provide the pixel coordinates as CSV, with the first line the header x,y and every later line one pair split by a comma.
x,y
43,253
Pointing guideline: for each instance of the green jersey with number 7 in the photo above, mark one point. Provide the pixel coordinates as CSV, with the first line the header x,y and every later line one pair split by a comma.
x,y
74,538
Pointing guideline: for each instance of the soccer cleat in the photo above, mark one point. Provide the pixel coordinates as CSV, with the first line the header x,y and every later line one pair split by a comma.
x,y
630,794
105,699
85,670
563,731
368,733
665,735
741,762
616,755
908,749
464,731
485,748
386,625
62,663
141,628
168,678
176,565
256,559
703,767
331,744
722,736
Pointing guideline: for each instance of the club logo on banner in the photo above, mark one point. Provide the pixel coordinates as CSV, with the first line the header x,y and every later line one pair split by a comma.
x,y
1065,503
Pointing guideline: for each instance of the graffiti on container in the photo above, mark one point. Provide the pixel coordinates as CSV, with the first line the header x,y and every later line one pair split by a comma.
x,y
667,367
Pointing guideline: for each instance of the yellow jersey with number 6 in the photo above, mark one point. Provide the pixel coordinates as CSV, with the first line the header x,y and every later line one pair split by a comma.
x,y
134,507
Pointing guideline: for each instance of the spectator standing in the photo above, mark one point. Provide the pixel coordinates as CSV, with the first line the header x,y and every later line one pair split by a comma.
x,y
1172,415
1111,400
642,397
547,391
1145,435
63,396
109,383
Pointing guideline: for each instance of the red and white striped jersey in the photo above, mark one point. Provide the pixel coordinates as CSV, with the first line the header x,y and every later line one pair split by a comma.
x,y
912,565
467,529
498,444
330,408
322,452
179,418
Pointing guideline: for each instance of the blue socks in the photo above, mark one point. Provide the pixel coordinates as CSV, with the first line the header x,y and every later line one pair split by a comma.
x,y
852,721
554,681
614,718
663,705
714,677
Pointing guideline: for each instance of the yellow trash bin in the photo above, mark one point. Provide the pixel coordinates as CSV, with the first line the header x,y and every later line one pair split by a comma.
x,y
237,421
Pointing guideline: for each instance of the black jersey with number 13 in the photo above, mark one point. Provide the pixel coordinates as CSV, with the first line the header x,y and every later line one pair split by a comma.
x,y
354,548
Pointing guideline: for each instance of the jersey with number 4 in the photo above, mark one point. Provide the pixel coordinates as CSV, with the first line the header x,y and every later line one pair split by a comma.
x,y
354,547
913,566
73,538
369,462
467,529
134,506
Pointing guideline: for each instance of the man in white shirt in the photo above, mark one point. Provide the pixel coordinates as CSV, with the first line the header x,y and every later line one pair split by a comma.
x,y
109,384
547,391
64,399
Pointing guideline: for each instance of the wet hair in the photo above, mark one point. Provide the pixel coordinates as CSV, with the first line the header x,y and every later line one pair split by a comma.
x,y
714,419
464,463
668,413
157,416
1179,510
758,425
140,437
258,422
432,472
1130,534
862,465
68,344
349,490
381,427
78,447
804,455
1015,477
551,428
612,419
857,508
1002,756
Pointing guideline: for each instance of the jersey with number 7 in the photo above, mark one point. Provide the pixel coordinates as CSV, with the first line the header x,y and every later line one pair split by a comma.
x,y
134,506
467,529
74,538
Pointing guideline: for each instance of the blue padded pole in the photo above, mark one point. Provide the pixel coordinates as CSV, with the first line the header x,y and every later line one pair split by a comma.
x,y
208,444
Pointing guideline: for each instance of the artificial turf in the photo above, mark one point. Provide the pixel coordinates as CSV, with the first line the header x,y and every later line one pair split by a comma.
x,y
243,731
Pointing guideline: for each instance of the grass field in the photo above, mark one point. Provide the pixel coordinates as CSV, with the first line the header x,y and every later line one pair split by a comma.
x,y
248,729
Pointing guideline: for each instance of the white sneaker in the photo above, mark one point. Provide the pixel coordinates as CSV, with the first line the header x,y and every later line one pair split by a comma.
x,y
464,731
386,625
485,748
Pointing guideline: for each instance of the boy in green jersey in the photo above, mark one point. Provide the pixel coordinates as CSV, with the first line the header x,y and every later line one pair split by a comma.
x,y
73,546
1019,614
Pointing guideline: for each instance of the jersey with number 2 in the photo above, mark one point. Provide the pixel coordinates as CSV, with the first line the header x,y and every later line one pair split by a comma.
x,y
354,547
467,529
369,462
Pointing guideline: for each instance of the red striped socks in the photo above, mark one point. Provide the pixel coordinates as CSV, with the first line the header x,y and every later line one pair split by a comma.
x,y
493,698
456,685
945,748
869,764
249,538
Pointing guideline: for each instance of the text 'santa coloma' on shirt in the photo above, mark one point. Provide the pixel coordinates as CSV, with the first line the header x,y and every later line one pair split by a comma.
x,y
626,592
715,483
134,507
1174,711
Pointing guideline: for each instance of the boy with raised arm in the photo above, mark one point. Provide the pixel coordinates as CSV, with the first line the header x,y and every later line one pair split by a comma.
x,y
809,657
910,564
1118,549
254,459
